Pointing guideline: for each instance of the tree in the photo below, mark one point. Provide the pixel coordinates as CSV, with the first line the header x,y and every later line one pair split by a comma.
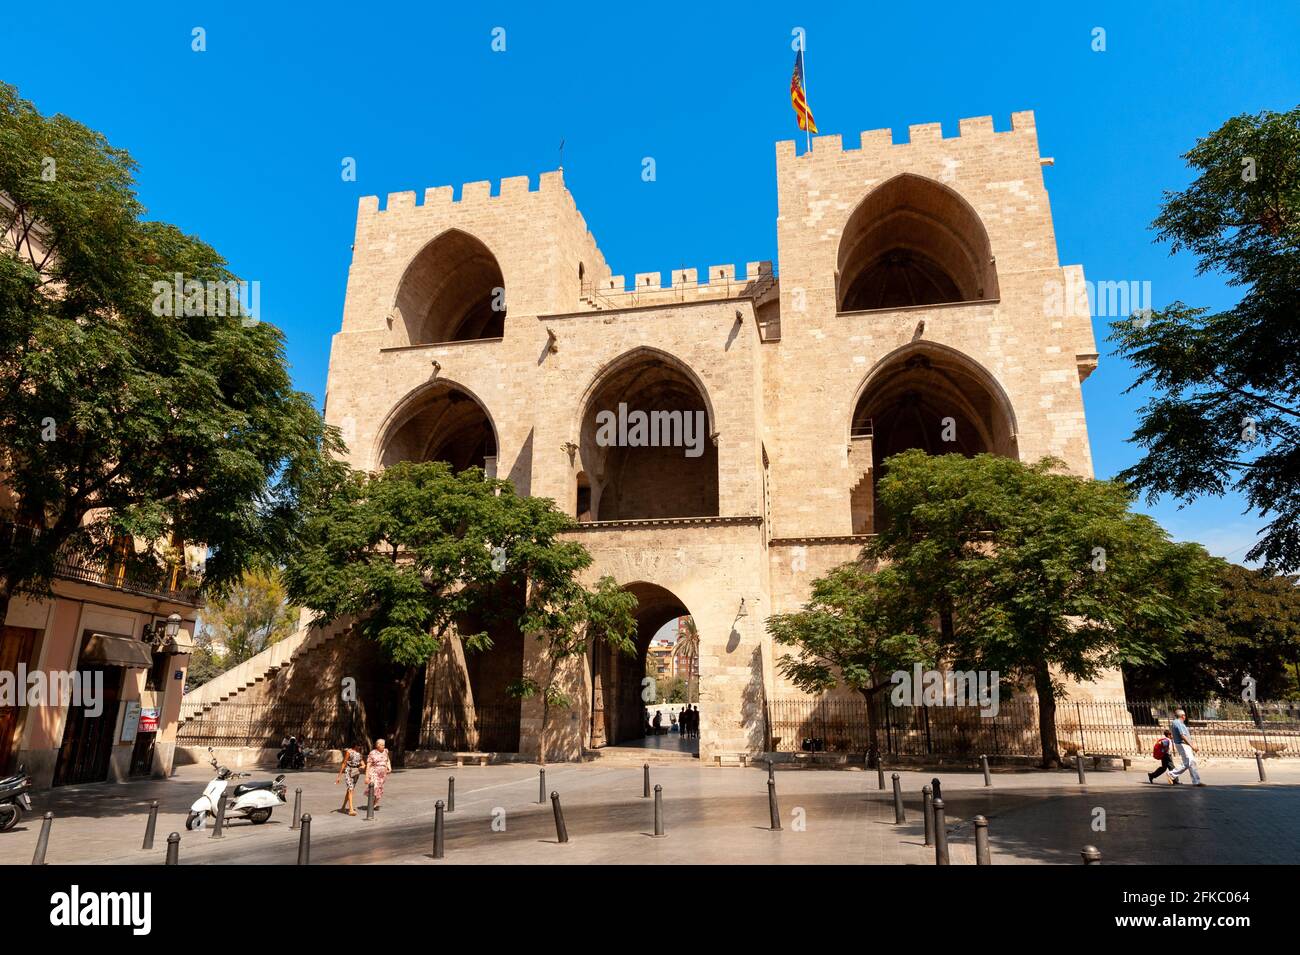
x,y
1224,412
415,550
253,615
1042,574
204,665
858,627
1254,630
125,413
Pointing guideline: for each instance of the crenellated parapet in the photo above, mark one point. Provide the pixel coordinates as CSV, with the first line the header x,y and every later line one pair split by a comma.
x,y
684,285
976,130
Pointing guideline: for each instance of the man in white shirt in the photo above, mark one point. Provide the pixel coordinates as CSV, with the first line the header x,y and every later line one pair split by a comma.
x,y
1183,744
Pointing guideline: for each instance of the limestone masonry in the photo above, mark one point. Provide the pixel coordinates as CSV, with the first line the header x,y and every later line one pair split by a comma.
x,y
910,307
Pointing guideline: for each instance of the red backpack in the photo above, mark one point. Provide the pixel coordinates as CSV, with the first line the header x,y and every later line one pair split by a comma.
x,y
1158,751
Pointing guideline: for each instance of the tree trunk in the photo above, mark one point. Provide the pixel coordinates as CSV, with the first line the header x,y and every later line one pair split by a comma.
x,y
1047,717
873,728
404,683
360,725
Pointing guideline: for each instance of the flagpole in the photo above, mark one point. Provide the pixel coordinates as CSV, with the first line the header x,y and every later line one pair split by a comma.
x,y
803,56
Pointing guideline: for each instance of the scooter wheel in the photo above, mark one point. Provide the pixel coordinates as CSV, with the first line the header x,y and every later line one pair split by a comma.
x,y
10,816
194,821
259,816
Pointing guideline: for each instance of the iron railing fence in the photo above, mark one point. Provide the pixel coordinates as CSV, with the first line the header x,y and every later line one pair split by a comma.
x,y
1099,727
133,575
468,729
316,725
488,728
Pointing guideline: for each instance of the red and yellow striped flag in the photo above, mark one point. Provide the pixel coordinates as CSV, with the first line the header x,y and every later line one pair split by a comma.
x,y
799,97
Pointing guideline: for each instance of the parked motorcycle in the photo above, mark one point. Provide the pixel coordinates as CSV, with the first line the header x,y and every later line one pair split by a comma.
x,y
14,798
252,801
296,759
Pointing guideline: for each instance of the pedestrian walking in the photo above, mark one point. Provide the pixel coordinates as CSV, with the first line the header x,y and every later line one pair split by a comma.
x,y
1182,738
350,772
378,766
1163,751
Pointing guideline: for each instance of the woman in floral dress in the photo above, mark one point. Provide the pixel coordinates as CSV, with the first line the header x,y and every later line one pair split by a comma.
x,y
378,766
351,769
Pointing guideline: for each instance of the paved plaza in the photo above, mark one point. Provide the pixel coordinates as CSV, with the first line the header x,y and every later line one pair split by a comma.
x,y
711,815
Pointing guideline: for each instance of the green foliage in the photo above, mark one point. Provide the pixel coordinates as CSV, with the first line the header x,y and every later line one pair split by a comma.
x,y
857,628
1038,568
163,427
1254,630
204,665
1224,410
410,552
989,563
252,616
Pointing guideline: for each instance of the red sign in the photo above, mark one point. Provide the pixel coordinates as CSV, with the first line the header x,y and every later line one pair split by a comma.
x,y
149,720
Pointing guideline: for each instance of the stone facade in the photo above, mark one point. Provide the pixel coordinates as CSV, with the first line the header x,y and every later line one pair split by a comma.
x,y
918,288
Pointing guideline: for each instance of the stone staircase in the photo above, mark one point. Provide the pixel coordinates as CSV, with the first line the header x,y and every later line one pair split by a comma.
x,y
636,756
258,668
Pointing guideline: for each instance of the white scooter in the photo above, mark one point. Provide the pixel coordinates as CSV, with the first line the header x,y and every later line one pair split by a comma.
x,y
253,801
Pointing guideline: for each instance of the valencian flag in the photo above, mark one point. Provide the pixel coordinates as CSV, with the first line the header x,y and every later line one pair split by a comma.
x,y
799,96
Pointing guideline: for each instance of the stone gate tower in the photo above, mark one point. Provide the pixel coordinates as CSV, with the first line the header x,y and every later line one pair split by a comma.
x,y
914,287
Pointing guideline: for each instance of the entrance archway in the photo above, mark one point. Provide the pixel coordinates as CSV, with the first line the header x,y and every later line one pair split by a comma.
x,y
929,397
662,677
645,442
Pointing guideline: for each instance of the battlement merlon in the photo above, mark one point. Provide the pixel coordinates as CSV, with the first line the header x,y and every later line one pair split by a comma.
x,y
511,187
551,193
977,129
718,278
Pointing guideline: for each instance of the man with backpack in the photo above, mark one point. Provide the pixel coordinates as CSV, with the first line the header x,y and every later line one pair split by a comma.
x,y
1182,738
1163,751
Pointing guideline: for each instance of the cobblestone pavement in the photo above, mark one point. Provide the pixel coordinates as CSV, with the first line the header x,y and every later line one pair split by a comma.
x,y
711,815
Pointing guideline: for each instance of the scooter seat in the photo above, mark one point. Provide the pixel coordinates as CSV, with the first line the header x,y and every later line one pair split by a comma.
x,y
250,787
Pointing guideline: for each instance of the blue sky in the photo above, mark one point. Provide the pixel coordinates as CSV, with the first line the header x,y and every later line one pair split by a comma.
x,y
242,144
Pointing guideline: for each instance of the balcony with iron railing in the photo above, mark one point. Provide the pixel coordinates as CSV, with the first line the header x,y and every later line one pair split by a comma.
x,y
125,572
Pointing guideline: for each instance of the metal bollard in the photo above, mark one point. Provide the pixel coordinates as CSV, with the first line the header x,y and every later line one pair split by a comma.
x,y
221,818
645,781
151,825
451,793
1091,855
981,841
304,840
773,812
173,849
439,836
880,775
935,788
900,815
541,786
1083,775
370,802
561,831
1259,764
770,770
297,809
940,834
927,810
659,811
984,763
43,840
